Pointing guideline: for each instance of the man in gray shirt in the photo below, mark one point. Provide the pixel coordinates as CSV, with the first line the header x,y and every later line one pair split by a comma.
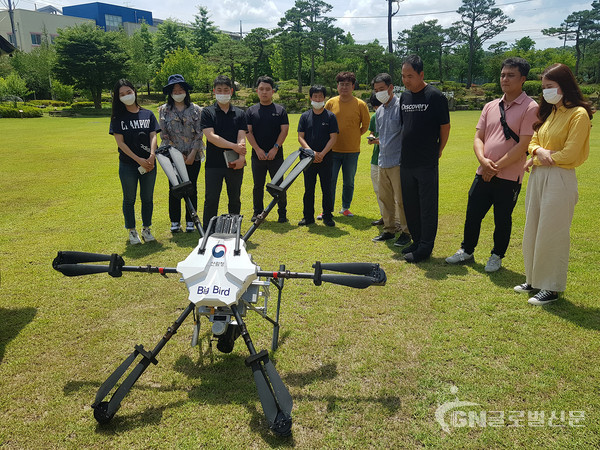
x,y
390,192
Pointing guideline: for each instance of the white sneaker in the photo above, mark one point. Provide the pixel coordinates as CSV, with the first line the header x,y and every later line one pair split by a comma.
x,y
147,236
175,227
189,227
525,288
459,257
494,263
134,239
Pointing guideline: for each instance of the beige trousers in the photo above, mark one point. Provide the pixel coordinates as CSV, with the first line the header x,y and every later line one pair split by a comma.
x,y
549,205
390,196
375,181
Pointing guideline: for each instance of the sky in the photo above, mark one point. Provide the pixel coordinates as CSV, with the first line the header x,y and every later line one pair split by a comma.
x,y
366,20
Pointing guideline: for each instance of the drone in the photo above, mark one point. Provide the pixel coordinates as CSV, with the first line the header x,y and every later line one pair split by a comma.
x,y
223,284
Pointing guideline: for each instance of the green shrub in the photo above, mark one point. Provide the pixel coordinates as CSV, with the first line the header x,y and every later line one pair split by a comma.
x,y
47,103
202,99
533,88
292,101
62,92
20,112
490,87
589,89
80,105
252,99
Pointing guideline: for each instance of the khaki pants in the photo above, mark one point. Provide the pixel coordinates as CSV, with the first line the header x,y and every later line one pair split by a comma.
x,y
390,196
375,181
549,204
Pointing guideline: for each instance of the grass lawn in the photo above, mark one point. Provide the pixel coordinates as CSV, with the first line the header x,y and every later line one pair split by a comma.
x,y
366,368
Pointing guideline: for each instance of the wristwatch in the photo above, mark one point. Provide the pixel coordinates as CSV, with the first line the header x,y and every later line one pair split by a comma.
x,y
276,146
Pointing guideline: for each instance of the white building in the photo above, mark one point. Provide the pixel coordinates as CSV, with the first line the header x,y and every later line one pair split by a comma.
x,y
30,26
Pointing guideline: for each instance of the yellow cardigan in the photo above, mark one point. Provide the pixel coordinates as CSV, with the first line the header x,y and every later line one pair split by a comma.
x,y
566,131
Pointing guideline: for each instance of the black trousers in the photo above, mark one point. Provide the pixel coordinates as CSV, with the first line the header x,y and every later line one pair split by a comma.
x,y
324,171
259,174
420,192
503,195
193,171
213,184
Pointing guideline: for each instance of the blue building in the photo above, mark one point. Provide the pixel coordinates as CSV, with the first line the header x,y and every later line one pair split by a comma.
x,y
109,17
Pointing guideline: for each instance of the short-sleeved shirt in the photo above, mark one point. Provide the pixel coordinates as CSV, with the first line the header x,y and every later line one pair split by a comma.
x,y
353,119
373,129
317,128
266,122
520,115
136,129
422,113
181,129
390,134
226,125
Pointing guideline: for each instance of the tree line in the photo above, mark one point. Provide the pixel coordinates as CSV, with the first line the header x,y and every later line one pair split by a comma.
x,y
306,47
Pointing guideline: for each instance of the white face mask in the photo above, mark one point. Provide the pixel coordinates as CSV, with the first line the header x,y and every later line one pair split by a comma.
x,y
223,98
178,97
552,96
382,96
317,105
128,99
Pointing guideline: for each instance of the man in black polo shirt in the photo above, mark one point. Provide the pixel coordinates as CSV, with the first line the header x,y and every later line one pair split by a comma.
x,y
268,126
224,126
318,130
425,129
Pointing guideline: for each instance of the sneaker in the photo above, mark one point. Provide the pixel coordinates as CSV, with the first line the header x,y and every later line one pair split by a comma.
x,y
305,222
525,288
385,236
134,238
147,236
253,219
460,257
377,222
415,257
329,222
320,216
175,227
494,263
282,219
189,227
403,240
346,212
543,298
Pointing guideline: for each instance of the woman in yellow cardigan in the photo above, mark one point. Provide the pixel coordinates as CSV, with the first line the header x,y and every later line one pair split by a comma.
x,y
561,143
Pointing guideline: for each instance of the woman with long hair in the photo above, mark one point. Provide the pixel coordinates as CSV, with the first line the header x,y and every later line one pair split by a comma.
x,y
134,129
561,143
179,121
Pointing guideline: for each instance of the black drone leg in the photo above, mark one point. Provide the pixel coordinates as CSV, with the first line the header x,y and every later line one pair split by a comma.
x,y
274,396
105,411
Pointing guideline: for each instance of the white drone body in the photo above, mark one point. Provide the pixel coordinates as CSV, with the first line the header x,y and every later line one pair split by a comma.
x,y
217,277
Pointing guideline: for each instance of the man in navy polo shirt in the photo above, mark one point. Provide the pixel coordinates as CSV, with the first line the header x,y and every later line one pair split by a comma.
x,y
318,130
268,126
225,128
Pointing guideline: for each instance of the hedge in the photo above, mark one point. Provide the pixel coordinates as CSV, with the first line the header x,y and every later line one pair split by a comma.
x,y
19,112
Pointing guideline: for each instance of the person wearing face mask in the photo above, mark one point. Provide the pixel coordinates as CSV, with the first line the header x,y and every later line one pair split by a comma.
x,y
134,129
318,130
225,129
179,121
561,143
390,190
501,139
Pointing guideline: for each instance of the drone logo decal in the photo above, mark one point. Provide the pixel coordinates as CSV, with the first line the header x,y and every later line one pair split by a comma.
x,y
218,252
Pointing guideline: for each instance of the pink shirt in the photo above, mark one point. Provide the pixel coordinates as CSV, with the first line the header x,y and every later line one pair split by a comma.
x,y
520,114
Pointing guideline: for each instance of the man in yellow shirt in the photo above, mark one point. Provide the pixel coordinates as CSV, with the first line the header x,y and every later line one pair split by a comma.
x,y
353,119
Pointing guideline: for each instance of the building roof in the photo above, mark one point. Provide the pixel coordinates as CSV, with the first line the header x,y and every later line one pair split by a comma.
x,y
6,47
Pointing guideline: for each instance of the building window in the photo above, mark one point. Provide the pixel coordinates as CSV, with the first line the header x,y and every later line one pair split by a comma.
x,y
113,23
53,38
36,39
12,39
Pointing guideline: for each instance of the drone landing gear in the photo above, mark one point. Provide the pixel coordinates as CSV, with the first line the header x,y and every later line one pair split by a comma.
x,y
274,397
105,411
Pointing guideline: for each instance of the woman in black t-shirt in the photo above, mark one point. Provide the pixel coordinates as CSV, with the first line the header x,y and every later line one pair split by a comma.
x,y
134,129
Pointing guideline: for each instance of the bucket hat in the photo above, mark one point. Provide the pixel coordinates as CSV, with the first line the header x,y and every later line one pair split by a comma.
x,y
173,80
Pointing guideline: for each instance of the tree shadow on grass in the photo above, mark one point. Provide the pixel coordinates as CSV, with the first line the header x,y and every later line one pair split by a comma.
x,y
357,222
581,316
13,321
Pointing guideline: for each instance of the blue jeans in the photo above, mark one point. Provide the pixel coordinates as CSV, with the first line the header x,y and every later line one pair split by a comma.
x,y
129,175
348,163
